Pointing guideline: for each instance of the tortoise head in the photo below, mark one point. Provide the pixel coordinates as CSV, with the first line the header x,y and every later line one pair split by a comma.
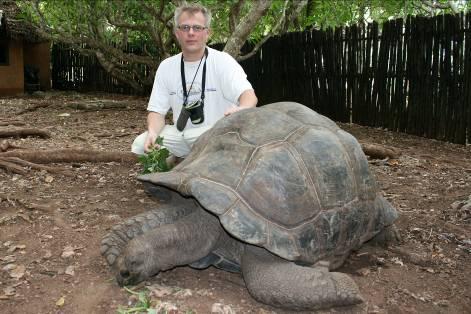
x,y
137,263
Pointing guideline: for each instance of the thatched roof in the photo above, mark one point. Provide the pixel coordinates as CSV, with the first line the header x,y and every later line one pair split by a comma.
x,y
11,26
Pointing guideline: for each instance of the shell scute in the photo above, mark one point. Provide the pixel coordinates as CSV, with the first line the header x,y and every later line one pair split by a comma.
x,y
243,223
275,185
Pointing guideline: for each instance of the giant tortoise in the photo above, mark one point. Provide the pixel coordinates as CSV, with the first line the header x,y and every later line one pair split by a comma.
x,y
278,193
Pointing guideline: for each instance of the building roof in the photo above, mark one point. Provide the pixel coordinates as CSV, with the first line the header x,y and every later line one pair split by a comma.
x,y
12,26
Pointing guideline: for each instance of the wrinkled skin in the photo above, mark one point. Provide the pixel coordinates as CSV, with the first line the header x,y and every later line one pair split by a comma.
x,y
136,264
188,240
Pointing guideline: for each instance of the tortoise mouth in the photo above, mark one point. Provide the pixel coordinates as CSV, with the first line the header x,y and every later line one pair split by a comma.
x,y
125,277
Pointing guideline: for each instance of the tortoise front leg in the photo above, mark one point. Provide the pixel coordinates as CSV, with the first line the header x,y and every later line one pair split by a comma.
x,y
113,243
280,283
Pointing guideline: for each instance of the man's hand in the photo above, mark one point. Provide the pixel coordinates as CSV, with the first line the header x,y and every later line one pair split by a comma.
x,y
246,100
231,110
155,124
150,142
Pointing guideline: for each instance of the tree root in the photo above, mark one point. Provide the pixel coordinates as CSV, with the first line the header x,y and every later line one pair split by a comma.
x,y
93,105
11,167
111,135
4,146
14,161
377,151
34,107
15,164
71,155
12,122
24,133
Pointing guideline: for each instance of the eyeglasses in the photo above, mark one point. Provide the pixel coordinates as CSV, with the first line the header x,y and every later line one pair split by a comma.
x,y
186,28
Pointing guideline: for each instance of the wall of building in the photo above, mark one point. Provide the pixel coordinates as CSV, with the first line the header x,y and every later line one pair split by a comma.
x,y
11,75
39,55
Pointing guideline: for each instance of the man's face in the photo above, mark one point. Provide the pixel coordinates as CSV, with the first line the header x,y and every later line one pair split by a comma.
x,y
192,41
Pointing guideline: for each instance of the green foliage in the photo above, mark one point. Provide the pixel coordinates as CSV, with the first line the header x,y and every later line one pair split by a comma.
x,y
131,37
143,304
87,18
156,159
332,13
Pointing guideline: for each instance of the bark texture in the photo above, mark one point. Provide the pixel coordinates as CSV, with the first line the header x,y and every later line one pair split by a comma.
x,y
245,26
24,133
71,155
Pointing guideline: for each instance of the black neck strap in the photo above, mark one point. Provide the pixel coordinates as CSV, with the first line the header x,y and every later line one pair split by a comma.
x,y
203,83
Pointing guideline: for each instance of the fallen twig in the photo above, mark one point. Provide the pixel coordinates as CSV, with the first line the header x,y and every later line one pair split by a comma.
x,y
33,107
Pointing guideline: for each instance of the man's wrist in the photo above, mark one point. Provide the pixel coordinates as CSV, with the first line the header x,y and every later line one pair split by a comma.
x,y
152,132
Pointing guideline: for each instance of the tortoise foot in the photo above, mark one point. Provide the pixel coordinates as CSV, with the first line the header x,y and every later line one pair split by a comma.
x,y
387,237
277,282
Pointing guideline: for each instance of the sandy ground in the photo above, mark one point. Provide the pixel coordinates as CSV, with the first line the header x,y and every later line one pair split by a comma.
x,y
51,225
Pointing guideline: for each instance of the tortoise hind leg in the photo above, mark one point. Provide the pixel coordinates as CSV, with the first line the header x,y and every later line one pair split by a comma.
x,y
386,237
277,282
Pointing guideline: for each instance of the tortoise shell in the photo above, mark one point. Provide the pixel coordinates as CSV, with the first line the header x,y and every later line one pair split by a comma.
x,y
284,178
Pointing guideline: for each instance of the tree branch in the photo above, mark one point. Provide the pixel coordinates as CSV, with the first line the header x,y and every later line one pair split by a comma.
x,y
294,13
434,5
281,24
245,26
234,15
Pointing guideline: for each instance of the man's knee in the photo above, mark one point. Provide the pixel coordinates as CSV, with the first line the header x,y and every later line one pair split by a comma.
x,y
137,146
178,143
173,140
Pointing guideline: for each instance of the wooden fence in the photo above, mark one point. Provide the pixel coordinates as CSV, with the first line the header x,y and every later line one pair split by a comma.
x,y
74,71
411,75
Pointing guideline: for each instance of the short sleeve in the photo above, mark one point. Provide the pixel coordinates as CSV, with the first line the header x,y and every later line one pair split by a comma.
x,y
159,100
234,80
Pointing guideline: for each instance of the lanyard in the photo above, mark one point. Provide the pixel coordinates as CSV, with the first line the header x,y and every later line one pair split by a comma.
x,y
203,83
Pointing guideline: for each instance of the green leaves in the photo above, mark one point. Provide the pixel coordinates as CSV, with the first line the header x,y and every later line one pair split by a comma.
x,y
156,159
143,304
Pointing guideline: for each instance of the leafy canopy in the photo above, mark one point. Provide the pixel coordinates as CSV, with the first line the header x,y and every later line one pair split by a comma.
x,y
130,37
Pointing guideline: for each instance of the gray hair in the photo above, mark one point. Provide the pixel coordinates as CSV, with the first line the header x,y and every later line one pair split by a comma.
x,y
192,9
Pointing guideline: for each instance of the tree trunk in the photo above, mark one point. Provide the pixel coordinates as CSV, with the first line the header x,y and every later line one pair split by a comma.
x,y
245,27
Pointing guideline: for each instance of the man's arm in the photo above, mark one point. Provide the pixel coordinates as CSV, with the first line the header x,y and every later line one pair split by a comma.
x,y
247,99
155,124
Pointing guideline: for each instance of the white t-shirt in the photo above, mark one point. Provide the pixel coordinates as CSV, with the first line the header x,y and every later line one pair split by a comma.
x,y
225,82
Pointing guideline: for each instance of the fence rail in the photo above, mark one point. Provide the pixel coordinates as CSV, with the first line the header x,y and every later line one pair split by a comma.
x,y
410,75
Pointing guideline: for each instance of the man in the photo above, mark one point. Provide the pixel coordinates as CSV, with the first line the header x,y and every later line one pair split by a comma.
x,y
214,84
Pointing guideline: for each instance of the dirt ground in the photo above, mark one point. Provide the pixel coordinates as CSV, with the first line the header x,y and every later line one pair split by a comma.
x,y
51,225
